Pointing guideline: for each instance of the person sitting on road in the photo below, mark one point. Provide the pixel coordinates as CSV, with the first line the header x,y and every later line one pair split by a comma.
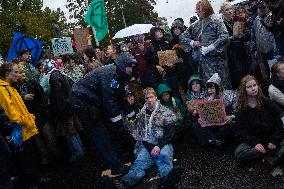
x,y
156,125
259,125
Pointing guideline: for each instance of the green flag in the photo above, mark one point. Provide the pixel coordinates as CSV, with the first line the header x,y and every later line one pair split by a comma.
x,y
96,17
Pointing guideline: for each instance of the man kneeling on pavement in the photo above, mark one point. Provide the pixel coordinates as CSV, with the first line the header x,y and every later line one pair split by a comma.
x,y
155,127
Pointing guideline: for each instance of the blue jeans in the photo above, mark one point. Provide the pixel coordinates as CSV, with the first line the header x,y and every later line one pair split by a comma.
x,y
144,161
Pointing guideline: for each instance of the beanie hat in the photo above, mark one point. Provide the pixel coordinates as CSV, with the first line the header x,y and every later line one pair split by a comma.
x,y
178,22
215,79
153,31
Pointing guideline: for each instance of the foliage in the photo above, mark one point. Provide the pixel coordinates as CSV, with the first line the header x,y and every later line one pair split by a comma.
x,y
27,16
134,11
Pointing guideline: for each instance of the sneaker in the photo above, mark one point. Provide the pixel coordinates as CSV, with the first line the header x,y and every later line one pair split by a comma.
x,y
120,184
112,183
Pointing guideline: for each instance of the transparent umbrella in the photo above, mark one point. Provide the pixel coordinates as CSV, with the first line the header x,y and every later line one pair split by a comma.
x,y
133,30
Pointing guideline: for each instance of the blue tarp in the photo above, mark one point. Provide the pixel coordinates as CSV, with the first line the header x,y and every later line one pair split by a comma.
x,y
21,43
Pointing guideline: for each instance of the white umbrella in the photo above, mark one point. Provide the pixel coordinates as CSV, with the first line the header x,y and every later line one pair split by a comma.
x,y
237,2
133,30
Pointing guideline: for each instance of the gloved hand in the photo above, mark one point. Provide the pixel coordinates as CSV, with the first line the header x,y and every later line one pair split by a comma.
x,y
16,136
206,50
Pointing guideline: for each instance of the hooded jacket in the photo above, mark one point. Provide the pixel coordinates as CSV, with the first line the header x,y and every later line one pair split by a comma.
x,y
16,110
190,95
174,103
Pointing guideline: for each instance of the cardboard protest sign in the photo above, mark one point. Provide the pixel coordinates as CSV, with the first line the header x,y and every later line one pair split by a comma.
x,y
81,38
191,105
212,112
61,46
167,58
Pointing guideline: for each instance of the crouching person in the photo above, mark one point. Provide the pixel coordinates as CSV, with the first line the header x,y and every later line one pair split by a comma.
x,y
259,125
156,127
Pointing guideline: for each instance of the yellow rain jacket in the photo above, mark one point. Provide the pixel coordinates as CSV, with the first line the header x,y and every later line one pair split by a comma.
x,y
15,108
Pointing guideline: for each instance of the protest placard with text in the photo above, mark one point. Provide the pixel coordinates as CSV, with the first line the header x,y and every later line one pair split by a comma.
x,y
212,112
81,38
61,46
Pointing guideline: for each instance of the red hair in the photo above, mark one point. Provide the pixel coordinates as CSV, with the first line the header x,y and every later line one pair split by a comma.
x,y
243,98
206,7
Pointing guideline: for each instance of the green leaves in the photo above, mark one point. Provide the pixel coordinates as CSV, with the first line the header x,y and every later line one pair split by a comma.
x,y
27,16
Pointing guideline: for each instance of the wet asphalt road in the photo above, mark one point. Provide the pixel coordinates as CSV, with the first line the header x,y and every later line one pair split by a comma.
x,y
204,167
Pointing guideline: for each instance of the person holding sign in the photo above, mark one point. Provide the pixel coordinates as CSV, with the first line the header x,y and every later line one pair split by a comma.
x,y
259,125
157,55
216,114
196,92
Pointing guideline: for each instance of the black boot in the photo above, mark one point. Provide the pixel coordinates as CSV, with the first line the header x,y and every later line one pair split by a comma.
x,y
112,183
169,181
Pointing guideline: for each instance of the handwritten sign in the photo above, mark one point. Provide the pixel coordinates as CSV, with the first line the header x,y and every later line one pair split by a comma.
x,y
167,58
61,46
81,38
191,105
212,112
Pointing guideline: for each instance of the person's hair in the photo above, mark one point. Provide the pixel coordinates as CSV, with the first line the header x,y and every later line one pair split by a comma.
x,y
217,88
149,90
223,6
243,97
90,53
4,69
116,47
275,69
206,7
20,67
66,58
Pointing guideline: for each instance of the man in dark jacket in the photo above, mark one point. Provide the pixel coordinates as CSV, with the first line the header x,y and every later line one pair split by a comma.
x,y
97,99
276,25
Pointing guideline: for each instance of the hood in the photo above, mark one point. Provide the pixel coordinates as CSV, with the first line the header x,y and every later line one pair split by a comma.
x,y
121,62
153,30
195,77
162,88
3,83
178,23
215,78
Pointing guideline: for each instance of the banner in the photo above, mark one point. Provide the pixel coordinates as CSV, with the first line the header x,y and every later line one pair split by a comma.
x,y
212,112
96,17
81,38
22,43
61,46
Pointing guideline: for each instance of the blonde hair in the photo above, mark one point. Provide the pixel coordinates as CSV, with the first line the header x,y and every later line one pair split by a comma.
x,y
223,6
149,90
243,98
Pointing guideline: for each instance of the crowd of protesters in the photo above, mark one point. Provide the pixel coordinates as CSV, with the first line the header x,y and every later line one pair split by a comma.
x,y
128,107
